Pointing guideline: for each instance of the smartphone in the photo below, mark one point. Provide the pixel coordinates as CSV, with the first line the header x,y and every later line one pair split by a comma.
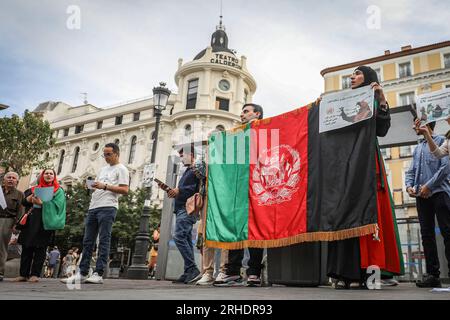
x,y
413,111
162,185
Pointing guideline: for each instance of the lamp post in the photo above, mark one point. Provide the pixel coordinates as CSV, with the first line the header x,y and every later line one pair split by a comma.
x,y
3,106
138,268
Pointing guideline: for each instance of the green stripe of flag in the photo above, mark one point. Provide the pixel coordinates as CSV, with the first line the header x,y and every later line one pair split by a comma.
x,y
228,182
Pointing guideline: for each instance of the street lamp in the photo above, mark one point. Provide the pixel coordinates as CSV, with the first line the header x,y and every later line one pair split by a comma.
x,y
138,268
3,106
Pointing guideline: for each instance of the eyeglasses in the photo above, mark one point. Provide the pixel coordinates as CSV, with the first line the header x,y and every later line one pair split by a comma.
x,y
109,154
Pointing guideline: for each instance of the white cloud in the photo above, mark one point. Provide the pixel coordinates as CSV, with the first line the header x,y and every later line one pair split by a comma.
x,y
124,48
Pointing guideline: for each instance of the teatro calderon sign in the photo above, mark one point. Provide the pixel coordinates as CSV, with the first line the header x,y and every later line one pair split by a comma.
x,y
226,60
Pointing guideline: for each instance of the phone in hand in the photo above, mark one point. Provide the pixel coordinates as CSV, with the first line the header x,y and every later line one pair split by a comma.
x,y
162,185
416,191
413,111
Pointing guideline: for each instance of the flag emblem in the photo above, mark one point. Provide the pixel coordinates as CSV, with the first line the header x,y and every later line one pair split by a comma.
x,y
276,175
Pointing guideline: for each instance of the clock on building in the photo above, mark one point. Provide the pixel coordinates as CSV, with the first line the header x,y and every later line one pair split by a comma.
x,y
224,85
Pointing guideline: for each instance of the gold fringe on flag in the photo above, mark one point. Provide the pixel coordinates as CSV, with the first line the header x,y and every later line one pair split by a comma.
x,y
303,237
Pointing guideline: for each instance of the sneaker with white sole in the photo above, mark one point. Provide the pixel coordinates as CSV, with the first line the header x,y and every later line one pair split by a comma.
x,y
76,278
206,280
389,282
253,281
197,278
220,277
230,281
95,278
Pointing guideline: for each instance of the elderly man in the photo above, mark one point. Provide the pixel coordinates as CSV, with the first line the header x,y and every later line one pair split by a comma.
x,y
9,216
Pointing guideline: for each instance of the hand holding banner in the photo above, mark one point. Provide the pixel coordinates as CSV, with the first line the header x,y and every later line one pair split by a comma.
x,y
434,106
343,109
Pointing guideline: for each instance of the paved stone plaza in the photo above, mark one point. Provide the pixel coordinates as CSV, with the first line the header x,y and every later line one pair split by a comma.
x,y
52,289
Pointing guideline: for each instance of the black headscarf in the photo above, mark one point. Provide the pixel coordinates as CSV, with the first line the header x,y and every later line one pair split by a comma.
x,y
370,76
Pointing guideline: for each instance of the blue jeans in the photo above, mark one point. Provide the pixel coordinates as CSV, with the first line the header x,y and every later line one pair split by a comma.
x,y
183,238
99,221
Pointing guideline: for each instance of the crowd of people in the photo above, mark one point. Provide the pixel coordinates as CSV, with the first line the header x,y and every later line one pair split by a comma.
x,y
348,260
35,221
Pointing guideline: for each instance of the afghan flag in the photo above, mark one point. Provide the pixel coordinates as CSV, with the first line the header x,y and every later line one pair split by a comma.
x,y
277,182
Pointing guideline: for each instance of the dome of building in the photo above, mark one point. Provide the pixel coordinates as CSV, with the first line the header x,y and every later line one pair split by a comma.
x,y
219,42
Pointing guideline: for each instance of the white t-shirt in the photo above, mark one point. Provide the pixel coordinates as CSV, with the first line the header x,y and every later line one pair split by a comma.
x,y
111,175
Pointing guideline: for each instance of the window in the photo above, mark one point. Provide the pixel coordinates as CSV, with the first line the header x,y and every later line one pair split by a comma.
x,y
192,94
406,151
386,152
117,141
79,129
96,146
99,125
346,82
187,130
119,120
75,159
447,60
66,132
404,70
61,161
407,98
55,134
136,116
222,104
132,150
220,128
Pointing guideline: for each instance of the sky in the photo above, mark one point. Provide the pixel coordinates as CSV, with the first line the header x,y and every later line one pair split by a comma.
x,y
122,49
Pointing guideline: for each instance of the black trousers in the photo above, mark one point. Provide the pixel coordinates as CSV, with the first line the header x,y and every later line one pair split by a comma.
x,y
233,267
437,206
31,261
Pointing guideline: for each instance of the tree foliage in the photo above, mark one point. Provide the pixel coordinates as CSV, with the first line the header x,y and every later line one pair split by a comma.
x,y
23,141
125,227
127,222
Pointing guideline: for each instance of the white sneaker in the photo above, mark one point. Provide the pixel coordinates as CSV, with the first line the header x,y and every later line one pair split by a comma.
x,y
206,279
220,277
76,278
230,281
95,278
389,282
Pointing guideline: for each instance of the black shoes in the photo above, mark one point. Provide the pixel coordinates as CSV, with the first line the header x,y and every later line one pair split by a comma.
x,y
181,279
191,276
188,277
429,281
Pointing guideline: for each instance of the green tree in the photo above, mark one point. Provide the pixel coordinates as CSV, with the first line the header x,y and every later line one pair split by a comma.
x,y
127,222
125,226
78,198
23,141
